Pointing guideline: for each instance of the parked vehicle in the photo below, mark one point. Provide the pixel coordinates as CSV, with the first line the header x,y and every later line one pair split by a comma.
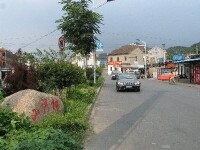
x,y
114,74
136,72
127,81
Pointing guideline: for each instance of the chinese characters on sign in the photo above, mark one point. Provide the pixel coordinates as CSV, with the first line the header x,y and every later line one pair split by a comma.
x,y
54,104
44,104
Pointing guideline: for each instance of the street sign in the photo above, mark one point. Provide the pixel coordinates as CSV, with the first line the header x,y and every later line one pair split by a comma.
x,y
178,57
99,46
61,43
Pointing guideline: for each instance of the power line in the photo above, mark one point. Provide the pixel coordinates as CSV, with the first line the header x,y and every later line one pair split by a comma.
x,y
18,38
134,36
39,38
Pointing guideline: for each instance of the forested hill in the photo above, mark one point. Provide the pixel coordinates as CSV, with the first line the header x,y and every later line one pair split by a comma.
x,y
184,50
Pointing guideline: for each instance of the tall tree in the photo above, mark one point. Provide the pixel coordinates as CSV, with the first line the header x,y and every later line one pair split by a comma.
x,y
79,25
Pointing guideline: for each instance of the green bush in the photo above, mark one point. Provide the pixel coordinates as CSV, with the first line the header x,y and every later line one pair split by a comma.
x,y
99,70
90,75
11,121
58,75
100,81
82,93
75,110
42,139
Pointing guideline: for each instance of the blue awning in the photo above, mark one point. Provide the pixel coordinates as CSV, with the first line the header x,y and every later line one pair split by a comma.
x,y
188,60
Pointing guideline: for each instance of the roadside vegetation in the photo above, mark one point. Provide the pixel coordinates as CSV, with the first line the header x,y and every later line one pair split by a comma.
x,y
51,72
54,75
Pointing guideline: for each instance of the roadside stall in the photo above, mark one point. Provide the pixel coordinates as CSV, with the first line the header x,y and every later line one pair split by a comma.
x,y
163,73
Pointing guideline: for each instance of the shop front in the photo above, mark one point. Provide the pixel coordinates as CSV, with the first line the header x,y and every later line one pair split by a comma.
x,y
196,72
114,65
189,69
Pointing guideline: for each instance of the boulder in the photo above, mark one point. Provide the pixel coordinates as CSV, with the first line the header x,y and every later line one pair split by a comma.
x,y
33,104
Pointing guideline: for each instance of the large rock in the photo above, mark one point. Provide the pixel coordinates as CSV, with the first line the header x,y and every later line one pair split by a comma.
x,y
33,104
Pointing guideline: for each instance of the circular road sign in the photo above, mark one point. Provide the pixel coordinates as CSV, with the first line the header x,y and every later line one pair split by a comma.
x,y
61,43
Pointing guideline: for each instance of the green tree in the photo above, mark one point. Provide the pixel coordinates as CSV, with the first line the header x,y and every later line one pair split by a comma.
x,y
55,72
79,25
181,49
51,55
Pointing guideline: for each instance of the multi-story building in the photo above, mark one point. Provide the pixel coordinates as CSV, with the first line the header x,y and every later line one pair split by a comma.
x,y
156,55
6,58
125,58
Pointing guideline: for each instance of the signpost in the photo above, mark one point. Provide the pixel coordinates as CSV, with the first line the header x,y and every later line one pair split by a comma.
x,y
99,47
61,43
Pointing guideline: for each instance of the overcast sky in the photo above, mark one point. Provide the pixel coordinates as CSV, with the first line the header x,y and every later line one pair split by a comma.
x,y
28,24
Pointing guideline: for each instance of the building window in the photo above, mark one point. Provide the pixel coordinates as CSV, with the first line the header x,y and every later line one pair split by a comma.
x,y
4,54
110,68
117,58
4,63
111,59
125,58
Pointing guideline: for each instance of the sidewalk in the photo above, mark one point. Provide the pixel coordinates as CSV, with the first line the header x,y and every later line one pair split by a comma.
x,y
183,82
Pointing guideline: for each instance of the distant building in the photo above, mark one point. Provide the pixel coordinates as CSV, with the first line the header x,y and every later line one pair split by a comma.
x,y
81,61
156,55
6,57
127,57
102,59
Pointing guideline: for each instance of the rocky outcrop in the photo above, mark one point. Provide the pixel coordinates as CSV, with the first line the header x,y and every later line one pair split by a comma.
x,y
33,104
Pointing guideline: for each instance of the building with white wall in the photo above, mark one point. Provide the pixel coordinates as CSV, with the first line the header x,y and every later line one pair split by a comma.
x,y
81,61
127,57
156,55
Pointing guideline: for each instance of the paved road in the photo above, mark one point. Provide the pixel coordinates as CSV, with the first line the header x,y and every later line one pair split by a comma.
x,y
160,117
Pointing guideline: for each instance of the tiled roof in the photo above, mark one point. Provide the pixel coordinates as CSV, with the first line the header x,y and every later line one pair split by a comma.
x,y
126,49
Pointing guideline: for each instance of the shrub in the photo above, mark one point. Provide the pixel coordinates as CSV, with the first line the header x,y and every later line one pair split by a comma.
x,y
42,139
73,121
22,78
11,121
82,93
100,81
99,70
90,75
58,75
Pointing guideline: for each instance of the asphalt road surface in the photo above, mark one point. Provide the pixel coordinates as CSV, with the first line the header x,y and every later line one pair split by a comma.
x,y
159,117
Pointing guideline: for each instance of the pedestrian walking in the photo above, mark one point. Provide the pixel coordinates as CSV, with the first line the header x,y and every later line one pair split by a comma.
x,y
171,78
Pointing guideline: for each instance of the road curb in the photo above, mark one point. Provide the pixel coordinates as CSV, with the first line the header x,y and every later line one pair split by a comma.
x,y
90,109
91,106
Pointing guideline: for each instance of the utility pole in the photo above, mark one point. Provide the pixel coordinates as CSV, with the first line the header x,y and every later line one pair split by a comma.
x,y
94,51
164,54
197,50
145,57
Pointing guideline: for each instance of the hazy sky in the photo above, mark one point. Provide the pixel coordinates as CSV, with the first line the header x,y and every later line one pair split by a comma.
x,y
28,24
